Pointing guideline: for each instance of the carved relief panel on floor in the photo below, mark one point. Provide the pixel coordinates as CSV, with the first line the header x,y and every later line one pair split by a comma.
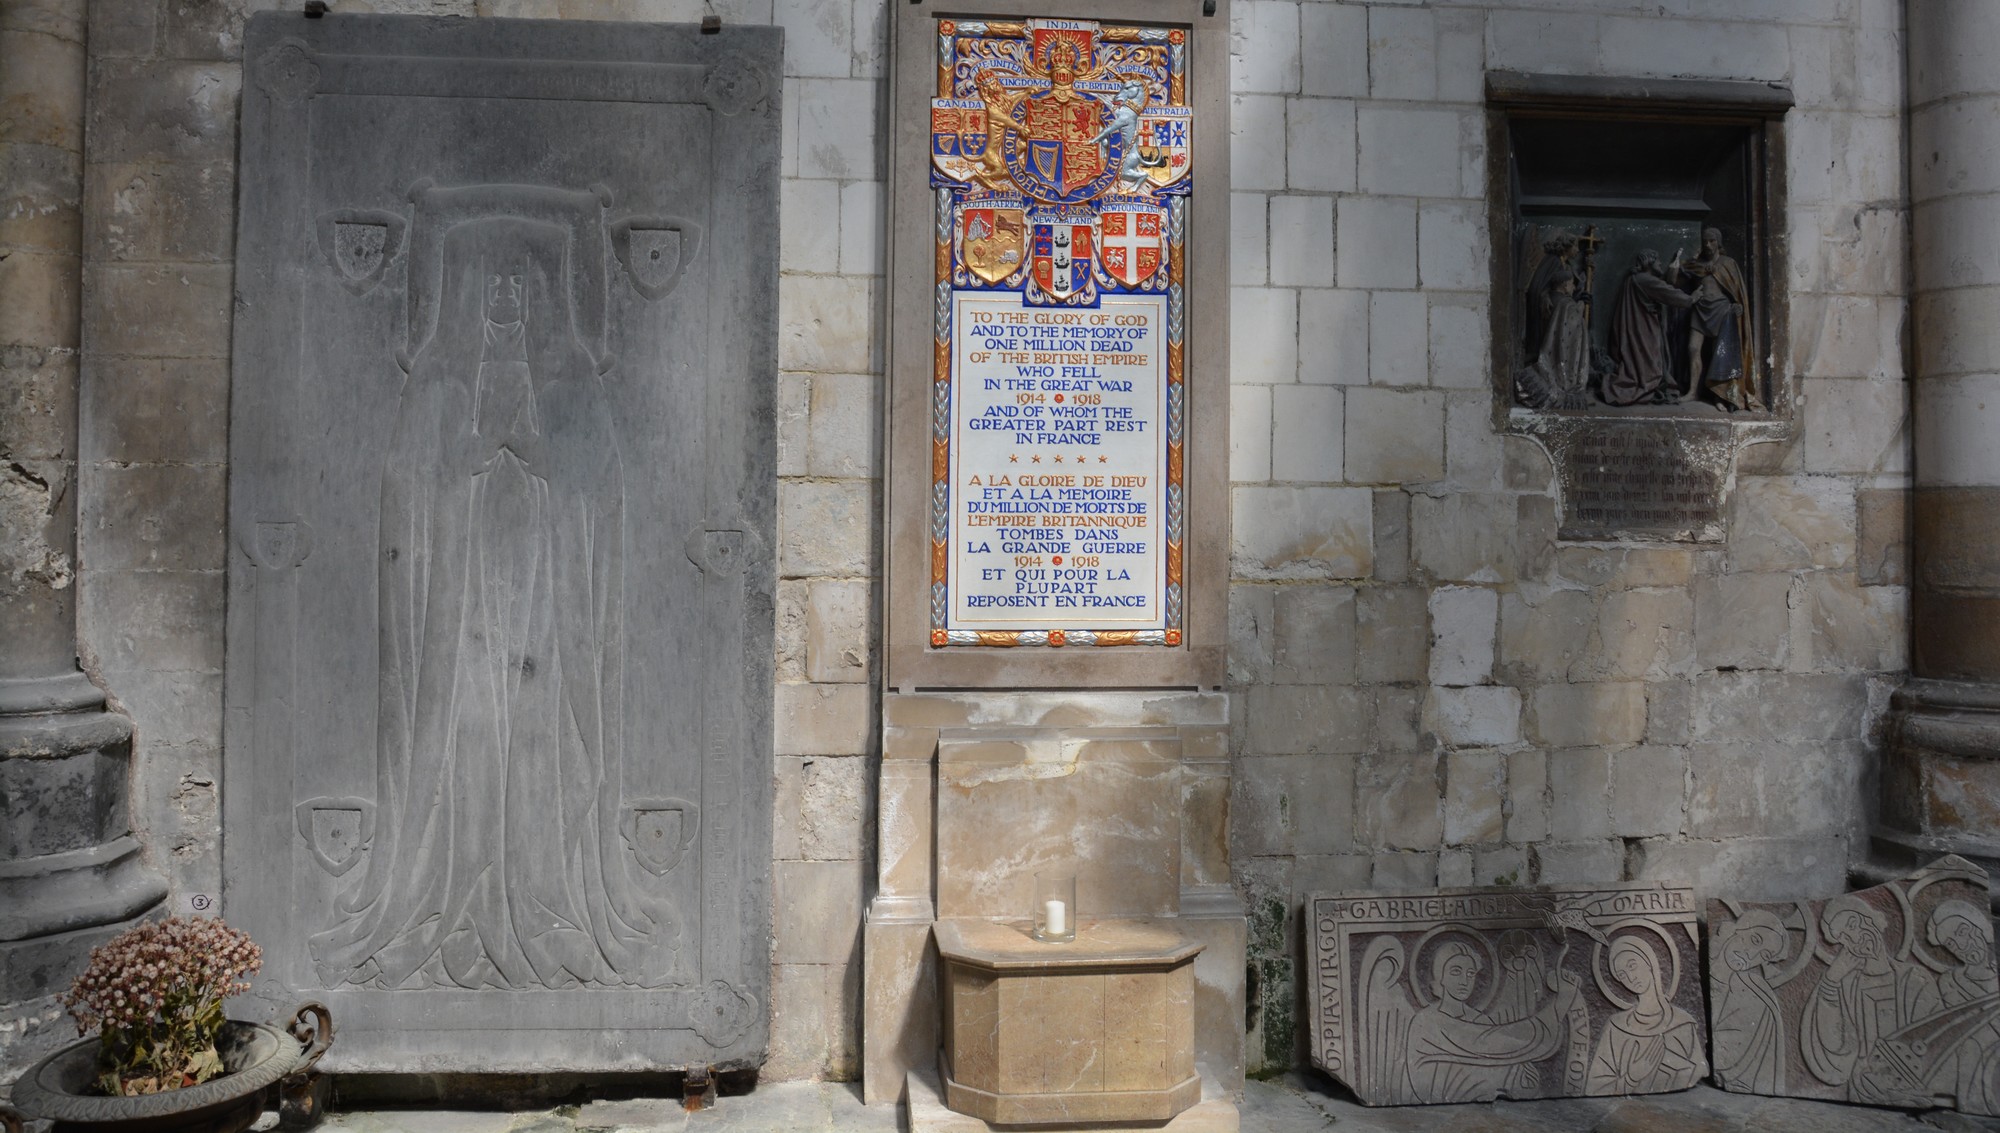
x,y
1886,996
504,347
1468,995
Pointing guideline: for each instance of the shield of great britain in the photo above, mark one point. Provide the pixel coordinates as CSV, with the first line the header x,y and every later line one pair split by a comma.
x,y
1056,146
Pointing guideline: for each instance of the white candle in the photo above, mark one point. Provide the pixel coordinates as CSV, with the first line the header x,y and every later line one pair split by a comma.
x,y
1055,918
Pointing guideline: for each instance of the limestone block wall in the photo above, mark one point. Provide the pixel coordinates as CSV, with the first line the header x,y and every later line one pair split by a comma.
x,y
1427,688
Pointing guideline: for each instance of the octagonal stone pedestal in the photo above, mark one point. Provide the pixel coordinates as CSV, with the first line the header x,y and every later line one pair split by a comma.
x,y
1100,1029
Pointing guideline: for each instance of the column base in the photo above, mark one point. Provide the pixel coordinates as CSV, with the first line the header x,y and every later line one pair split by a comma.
x,y
1940,781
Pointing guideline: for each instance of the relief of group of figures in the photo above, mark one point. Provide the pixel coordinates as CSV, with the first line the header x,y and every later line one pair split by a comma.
x,y
1887,996
1680,329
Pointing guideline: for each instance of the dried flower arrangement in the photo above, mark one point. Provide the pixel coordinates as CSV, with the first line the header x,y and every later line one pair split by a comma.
x,y
155,994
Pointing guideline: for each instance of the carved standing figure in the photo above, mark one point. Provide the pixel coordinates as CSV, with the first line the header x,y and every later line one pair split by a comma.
x,y
1720,346
1643,323
1557,373
500,712
1864,996
1749,1031
1651,1046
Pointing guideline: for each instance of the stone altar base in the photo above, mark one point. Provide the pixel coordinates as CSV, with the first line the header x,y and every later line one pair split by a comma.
x,y
1099,1028
1214,1113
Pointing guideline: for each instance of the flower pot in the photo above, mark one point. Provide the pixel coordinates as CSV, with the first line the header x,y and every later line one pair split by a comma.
x,y
255,1059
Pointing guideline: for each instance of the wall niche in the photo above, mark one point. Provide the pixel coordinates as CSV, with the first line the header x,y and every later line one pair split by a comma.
x,y
1638,308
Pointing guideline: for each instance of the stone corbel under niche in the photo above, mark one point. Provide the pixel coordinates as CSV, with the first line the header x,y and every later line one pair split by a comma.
x,y
1644,479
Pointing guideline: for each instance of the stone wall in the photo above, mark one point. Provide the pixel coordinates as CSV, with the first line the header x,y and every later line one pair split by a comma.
x,y
1430,690
1427,687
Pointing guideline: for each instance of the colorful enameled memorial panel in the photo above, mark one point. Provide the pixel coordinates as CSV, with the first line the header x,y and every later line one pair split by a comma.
x,y
1060,161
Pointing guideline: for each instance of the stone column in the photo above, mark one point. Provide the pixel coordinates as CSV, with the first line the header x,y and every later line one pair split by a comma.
x,y
1941,783
70,870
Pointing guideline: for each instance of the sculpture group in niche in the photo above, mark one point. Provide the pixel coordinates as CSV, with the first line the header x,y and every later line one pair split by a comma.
x,y
1467,996
1887,996
1679,331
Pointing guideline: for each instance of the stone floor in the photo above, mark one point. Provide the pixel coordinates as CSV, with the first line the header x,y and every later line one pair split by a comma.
x,y
1296,1104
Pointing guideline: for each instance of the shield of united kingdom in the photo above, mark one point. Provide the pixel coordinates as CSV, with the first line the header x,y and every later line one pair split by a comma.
x,y
1061,255
1131,241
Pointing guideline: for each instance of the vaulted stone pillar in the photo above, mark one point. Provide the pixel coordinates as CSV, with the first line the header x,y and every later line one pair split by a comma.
x,y
1941,785
70,871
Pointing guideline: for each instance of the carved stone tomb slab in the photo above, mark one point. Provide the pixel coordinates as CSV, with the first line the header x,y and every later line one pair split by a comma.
x,y
501,504
1463,995
1886,996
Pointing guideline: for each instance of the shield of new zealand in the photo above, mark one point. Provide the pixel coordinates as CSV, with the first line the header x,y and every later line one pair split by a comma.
x,y
1131,241
958,136
1061,256
992,238
1164,152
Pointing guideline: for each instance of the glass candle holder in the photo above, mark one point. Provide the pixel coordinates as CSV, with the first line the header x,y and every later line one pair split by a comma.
x,y
1055,908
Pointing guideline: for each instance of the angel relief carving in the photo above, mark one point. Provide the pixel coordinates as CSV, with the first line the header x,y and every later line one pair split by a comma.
x,y
1535,994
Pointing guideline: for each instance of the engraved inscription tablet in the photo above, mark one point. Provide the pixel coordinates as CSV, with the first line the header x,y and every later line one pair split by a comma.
x,y
1664,481
1462,995
497,785
1886,996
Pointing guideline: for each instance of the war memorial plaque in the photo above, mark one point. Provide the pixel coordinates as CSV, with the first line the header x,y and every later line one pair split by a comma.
x,y
1462,995
502,487
1061,177
1885,996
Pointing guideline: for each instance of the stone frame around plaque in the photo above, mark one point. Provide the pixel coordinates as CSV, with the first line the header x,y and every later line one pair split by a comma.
x,y
1605,169
1184,646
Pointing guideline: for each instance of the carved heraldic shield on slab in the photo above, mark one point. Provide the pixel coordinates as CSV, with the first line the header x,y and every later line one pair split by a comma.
x,y
1465,995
